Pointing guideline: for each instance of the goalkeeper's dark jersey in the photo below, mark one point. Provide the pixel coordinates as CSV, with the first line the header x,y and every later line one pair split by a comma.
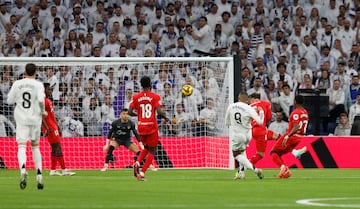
x,y
121,131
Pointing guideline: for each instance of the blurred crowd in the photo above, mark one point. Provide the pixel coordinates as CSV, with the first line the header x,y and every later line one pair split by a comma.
x,y
284,46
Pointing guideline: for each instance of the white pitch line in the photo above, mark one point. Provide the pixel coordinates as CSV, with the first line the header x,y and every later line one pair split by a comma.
x,y
317,202
95,206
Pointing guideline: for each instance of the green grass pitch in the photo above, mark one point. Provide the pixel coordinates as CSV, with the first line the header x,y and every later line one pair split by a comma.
x,y
188,189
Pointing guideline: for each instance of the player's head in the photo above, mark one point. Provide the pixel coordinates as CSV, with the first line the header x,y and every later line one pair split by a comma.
x,y
298,100
124,115
145,82
30,69
254,97
47,89
243,97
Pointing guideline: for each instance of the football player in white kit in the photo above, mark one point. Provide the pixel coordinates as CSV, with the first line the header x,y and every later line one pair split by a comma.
x,y
238,118
28,95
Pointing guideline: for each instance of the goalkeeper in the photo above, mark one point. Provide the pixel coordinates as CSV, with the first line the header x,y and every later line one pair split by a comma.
x,y
119,132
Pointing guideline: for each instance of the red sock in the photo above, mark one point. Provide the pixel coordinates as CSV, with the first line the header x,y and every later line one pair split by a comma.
x,y
277,159
53,162
148,161
142,155
254,159
61,161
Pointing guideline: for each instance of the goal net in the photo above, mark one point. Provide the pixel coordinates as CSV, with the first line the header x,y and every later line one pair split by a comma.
x,y
89,93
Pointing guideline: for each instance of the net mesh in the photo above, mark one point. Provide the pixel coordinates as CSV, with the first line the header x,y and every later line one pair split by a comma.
x,y
195,137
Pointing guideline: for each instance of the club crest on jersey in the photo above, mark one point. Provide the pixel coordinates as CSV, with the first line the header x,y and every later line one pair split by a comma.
x,y
296,117
128,127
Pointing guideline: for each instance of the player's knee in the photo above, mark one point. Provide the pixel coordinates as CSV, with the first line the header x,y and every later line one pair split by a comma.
x,y
237,152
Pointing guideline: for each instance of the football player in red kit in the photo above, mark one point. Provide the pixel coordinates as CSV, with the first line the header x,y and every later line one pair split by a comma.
x,y
261,133
52,132
145,105
298,121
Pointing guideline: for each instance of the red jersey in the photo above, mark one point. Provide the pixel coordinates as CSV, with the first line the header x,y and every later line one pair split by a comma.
x,y
266,107
50,118
301,117
146,103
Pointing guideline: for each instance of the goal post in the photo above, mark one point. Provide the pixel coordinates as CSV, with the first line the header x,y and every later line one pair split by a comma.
x,y
195,136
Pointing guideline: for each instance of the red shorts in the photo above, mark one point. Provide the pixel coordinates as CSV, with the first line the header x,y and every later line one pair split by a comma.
x,y
150,140
259,135
291,143
53,136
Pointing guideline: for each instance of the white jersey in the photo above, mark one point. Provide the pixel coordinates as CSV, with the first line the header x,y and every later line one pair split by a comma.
x,y
71,127
238,117
28,94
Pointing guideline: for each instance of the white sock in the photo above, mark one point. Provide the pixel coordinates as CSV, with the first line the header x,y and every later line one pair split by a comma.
x,y
242,159
22,158
37,157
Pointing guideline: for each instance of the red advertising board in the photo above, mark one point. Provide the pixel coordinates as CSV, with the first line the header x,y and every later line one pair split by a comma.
x,y
194,152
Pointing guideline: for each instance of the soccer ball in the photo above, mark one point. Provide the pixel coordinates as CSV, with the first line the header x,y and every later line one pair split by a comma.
x,y
187,90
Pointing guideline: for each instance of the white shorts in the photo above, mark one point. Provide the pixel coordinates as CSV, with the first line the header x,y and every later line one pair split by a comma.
x,y
239,141
28,132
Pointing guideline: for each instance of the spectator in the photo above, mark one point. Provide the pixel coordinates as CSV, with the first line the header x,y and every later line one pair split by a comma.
x,y
207,119
324,82
285,99
204,45
128,97
111,49
336,100
169,38
99,37
96,16
307,84
117,17
258,88
351,91
141,36
220,41
311,53
279,125
75,89
344,127
300,72
181,123
354,112
133,50
77,26
45,49
213,17
92,118
341,75
72,126
180,50
282,75
155,45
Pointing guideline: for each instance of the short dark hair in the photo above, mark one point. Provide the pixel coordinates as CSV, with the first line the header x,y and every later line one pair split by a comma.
x,y
255,95
30,69
145,82
124,109
46,85
299,99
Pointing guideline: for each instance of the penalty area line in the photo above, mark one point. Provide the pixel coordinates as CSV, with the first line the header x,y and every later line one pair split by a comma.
x,y
324,202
